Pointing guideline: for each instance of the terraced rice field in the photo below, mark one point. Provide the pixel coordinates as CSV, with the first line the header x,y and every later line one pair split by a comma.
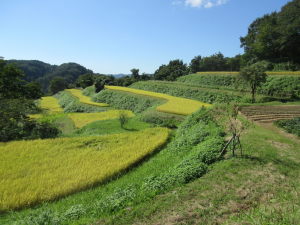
x,y
48,103
35,171
85,99
82,119
267,114
175,105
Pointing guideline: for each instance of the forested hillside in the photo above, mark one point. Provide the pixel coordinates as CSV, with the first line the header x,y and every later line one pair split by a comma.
x,y
43,72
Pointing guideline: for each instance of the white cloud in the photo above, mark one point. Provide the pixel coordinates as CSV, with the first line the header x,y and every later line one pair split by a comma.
x,y
208,5
176,2
205,3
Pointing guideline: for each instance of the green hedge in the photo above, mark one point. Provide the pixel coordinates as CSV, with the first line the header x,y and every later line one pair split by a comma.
x,y
209,80
277,86
71,104
291,126
122,100
206,96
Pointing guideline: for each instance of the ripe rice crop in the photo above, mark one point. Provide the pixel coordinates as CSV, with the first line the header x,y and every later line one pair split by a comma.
x,y
175,105
81,119
49,103
36,171
85,99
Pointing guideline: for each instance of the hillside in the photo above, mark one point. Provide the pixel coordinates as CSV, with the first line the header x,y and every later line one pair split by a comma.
x,y
43,72
180,179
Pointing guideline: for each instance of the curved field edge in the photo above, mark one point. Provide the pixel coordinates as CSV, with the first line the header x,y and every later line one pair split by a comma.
x,y
85,99
175,105
70,104
82,119
36,171
48,103
197,144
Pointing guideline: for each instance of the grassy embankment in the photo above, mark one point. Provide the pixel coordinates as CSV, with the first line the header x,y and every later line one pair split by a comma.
x,y
260,188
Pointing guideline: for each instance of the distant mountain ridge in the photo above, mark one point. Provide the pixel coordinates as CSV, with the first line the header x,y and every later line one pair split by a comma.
x,y
119,75
42,72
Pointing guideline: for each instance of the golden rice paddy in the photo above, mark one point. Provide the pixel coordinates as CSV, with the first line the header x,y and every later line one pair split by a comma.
x,y
175,105
35,171
85,99
49,103
81,119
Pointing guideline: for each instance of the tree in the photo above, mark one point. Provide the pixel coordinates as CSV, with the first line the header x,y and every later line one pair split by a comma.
x,y
33,90
16,102
145,77
275,37
135,74
175,68
253,76
57,84
215,62
85,80
123,117
102,80
195,64
11,83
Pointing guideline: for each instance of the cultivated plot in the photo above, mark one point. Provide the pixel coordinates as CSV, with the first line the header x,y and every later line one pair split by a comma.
x,y
175,105
82,119
35,171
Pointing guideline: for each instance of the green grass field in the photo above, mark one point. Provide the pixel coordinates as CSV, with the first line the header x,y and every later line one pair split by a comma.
x,y
183,182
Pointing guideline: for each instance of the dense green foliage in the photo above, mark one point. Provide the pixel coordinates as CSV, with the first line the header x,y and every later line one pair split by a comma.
x,y
71,104
85,80
16,102
203,95
252,76
128,101
174,69
13,85
291,126
275,37
57,84
43,72
274,86
217,62
102,80
209,80
89,91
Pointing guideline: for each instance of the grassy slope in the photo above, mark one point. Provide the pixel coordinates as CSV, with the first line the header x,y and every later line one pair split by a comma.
x,y
263,186
267,176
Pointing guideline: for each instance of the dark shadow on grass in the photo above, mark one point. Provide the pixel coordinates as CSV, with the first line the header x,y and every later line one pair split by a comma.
x,y
130,129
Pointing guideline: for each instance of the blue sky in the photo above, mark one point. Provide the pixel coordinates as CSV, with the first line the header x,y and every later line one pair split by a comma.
x,y
114,36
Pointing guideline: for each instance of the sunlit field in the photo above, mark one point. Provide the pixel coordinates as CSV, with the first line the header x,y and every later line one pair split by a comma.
x,y
48,103
175,105
35,171
85,99
81,119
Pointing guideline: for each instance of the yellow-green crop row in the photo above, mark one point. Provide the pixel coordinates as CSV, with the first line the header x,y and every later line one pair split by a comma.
x,y
36,171
175,105
235,73
81,119
49,103
85,99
